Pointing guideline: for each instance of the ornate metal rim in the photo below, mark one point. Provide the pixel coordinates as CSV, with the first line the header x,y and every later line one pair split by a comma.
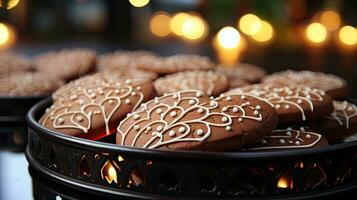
x,y
153,153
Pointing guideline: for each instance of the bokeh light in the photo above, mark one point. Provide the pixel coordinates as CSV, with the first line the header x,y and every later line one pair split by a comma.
x,y
177,22
265,34
228,37
316,33
331,20
249,24
160,24
9,4
348,35
7,35
194,28
139,3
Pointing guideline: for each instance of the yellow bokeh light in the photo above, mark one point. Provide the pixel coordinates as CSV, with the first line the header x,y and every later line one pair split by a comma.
x,y
160,24
348,35
228,37
9,3
265,34
331,20
7,35
316,33
177,22
4,34
139,3
249,24
194,28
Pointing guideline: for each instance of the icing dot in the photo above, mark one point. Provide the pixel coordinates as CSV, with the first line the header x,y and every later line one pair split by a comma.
x,y
47,109
100,92
165,94
240,119
258,107
97,112
172,133
154,134
235,109
79,118
350,108
308,96
127,101
299,101
60,120
277,106
228,98
286,106
136,116
302,129
211,98
136,127
156,100
52,107
228,128
73,97
224,119
81,101
199,94
282,141
173,114
290,93
174,96
212,103
133,93
308,136
159,128
158,111
182,129
264,141
200,110
191,102
116,91
289,129
111,101
290,142
288,133
243,97
256,112
221,95
248,103
123,90
148,128
128,81
199,132
297,143
90,91
138,88
224,109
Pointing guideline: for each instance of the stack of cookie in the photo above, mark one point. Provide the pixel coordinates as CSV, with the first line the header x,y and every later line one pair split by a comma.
x,y
187,102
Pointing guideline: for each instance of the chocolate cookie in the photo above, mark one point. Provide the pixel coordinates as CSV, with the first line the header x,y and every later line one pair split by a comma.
x,y
10,63
242,72
176,63
212,83
333,85
293,103
350,138
28,84
341,123
93,111
290,139
67,64
190,120
122,59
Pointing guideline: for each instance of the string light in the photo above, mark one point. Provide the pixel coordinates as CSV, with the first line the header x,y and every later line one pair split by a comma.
x,y
331,20
160,24
316,33
228,37
139,3
177,22
9,4
249,24
194,28
265,34
348,35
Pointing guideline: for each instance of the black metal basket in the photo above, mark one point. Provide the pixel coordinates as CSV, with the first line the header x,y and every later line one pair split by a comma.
x,y
110,171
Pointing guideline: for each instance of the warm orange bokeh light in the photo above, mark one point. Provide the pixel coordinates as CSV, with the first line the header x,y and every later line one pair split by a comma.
x,y
348,35
194,28
139,3
265,34
249,24
331,20
9,4
160,24
177,22
316,33
7,35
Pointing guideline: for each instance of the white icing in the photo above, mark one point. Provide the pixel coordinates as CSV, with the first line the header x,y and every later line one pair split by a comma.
x,y
343,113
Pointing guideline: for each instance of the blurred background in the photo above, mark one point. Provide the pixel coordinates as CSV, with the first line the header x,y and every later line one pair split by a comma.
x,y
319,35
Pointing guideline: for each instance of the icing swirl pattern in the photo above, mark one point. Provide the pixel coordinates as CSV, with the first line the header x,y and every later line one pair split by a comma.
x,y
344,111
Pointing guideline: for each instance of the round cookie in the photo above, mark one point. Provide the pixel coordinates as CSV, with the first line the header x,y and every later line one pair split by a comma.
x,y
129,73
122,59
242,72
293,103
176,63
290,138
190,120
333,85
28,84
210,82
341,123
67,64
10,63
93,111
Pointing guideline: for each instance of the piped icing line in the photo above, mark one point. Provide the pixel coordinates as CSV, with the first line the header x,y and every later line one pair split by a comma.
x,y
344,111
180,131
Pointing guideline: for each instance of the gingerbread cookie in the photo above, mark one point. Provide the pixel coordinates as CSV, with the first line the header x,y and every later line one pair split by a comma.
x,y
67,64
333,85
28,84
190,120
93,111
123,59
242,72
290,138
341,123
176,63
212,83
293,103
10,63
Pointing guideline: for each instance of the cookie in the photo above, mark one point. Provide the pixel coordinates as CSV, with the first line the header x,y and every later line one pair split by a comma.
x,y
210,82
293,103
290,138
341,123
10,63
333,85
190,120
242,72
93,111
122,59
350,138
67,64
126,73
28,84
176,63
